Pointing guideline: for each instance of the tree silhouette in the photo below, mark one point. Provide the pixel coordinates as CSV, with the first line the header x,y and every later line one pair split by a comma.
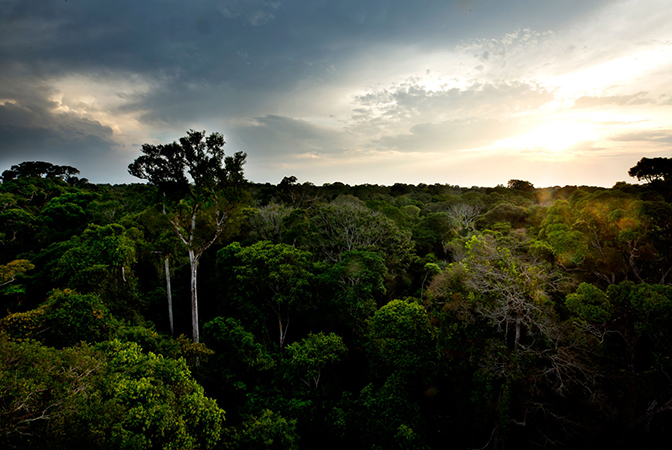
x,y
652,169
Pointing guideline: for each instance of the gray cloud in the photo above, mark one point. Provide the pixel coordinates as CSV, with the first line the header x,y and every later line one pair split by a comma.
x,y
254,12
205,40
33,128
255,69
279,137
410,99
450,135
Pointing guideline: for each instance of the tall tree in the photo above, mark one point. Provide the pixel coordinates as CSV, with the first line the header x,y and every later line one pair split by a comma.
x,y
652,169
197,210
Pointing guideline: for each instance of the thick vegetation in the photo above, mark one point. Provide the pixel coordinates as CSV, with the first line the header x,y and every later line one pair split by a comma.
x,y
363,317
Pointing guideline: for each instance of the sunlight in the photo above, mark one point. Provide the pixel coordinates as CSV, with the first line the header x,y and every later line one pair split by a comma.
x,y
556,136
615,71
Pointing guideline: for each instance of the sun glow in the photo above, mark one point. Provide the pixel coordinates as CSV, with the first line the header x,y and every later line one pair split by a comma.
x,y
555,137
597,77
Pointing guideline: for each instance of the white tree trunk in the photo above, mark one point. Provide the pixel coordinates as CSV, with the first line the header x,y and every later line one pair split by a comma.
x,y
193,261
195,253
169,294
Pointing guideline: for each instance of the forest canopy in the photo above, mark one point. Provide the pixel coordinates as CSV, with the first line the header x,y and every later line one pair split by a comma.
x,y
204,311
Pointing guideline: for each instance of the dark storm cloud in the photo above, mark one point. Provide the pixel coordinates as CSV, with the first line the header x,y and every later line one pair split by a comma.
x,y
245,43
31,129
216,61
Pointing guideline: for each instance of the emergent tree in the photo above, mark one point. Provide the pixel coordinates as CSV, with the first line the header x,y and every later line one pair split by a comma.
x,y
207,200
652,169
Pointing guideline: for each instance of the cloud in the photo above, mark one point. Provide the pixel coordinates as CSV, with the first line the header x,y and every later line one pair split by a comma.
x,y
346,85
253,12
660,136
30,115
416,108
495,97
500,52
450,135
410,117
612,44
25,131
281,137
620,100
34,126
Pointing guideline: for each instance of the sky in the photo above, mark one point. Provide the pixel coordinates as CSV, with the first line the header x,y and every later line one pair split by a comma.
x,y
461,92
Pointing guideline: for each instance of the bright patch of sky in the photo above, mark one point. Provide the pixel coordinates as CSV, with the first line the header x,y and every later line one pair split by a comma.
x,y
460,92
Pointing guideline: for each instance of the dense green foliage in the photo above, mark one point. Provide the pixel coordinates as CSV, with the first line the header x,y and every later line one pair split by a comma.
x,y
370,317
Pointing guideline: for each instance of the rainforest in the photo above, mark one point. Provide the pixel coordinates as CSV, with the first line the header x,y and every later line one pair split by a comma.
x,y
197,310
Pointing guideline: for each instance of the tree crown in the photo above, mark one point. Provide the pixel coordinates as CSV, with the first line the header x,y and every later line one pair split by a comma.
x,y
196,156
